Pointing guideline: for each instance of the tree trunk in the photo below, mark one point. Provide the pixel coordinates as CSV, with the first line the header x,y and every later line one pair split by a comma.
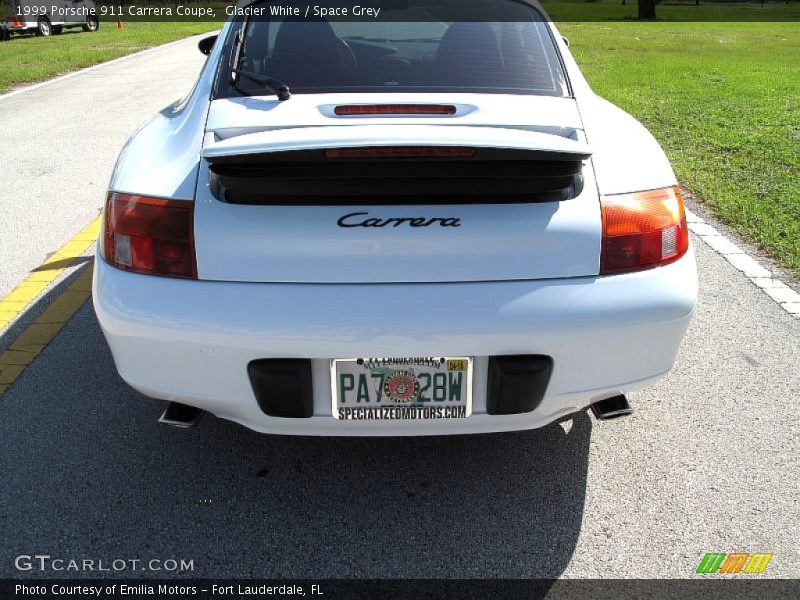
x,y
647,9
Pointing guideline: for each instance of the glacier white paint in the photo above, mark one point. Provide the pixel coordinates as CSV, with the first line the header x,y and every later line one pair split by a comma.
x,y
191,341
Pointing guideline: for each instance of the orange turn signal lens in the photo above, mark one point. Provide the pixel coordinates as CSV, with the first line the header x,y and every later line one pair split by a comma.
x,y
643,230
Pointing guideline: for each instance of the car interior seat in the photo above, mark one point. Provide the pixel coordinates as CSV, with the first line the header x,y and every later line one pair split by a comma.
x,y
256,48
306,52
526,64
469,51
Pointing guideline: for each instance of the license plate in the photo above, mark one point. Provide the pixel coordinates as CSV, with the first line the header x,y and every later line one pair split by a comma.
x,y
419,388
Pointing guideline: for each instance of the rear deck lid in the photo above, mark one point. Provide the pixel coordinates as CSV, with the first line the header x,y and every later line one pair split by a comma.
x,y
396,203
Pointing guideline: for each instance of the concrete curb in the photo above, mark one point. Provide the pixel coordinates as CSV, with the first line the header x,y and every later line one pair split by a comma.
x,y
760,276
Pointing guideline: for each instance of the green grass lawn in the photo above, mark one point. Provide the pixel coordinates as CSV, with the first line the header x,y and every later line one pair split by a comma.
x,y
25,59
724,101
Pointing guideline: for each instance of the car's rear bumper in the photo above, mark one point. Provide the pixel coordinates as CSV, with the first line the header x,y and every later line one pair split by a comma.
x,y
17,25
191,341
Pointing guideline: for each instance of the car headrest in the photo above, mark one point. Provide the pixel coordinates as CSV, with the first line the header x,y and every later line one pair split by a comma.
x,y
469,47
305,45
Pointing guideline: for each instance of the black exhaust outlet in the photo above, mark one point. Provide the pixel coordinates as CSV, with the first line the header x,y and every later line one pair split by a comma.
x,y
611,408
181,415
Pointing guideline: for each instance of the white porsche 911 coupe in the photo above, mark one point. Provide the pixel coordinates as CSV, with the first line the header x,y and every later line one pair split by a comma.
x,y
417,221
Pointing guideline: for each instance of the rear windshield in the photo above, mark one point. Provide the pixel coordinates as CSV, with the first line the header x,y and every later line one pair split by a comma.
x,y
496,46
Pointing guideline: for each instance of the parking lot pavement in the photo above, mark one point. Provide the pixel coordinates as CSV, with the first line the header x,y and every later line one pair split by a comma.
x,y
707,463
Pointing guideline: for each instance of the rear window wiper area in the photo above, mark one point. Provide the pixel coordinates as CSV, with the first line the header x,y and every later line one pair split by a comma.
x,y
277,87
280,89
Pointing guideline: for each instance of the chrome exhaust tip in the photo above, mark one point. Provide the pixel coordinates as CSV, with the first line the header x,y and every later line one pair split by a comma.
x,y
611,408
181,415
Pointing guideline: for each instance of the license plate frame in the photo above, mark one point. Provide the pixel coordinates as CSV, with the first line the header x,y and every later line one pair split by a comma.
x,y
387,409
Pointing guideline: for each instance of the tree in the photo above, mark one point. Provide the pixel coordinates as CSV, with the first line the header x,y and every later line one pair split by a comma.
x,y
647,9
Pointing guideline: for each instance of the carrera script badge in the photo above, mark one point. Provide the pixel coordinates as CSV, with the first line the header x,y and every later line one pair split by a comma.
x,y
362,219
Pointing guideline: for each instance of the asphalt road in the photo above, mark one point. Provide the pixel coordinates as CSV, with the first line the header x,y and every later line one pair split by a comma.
x,y
707,463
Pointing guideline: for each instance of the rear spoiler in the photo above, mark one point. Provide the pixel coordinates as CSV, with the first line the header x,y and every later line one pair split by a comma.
x,y
548,146
395,164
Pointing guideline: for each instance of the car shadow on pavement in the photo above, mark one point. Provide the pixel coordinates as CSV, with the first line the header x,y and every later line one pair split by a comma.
x,y
90,474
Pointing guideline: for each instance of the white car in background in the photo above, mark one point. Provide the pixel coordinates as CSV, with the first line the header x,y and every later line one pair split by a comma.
x,y
420,223
47,17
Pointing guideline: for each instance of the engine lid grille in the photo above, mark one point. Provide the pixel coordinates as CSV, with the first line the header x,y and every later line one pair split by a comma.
x,y
383,175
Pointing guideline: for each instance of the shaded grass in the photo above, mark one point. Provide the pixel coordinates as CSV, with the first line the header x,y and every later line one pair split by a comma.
x,y
724,101
26,59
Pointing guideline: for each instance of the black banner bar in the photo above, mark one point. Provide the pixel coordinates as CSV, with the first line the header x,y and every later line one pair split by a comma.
x,y
707,588
386,11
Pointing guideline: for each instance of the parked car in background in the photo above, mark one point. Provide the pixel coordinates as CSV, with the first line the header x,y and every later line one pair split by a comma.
x,y
419,224
47,17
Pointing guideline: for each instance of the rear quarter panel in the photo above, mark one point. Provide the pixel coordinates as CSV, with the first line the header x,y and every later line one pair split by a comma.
x,y
627,158
162,157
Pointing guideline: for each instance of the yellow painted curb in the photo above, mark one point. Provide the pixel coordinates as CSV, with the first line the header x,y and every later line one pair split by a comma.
x,y
41,332
68,255
22,352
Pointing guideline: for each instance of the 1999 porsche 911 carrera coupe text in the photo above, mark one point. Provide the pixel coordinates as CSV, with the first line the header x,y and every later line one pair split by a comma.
x,y
421,223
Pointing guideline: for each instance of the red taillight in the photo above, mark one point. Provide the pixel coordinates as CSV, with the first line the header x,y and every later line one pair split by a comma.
x,y
150,235
17,24
643,230
401,152
350,110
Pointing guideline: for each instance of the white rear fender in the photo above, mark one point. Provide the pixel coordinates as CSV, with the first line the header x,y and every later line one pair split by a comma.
x,y
626,158
162,156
